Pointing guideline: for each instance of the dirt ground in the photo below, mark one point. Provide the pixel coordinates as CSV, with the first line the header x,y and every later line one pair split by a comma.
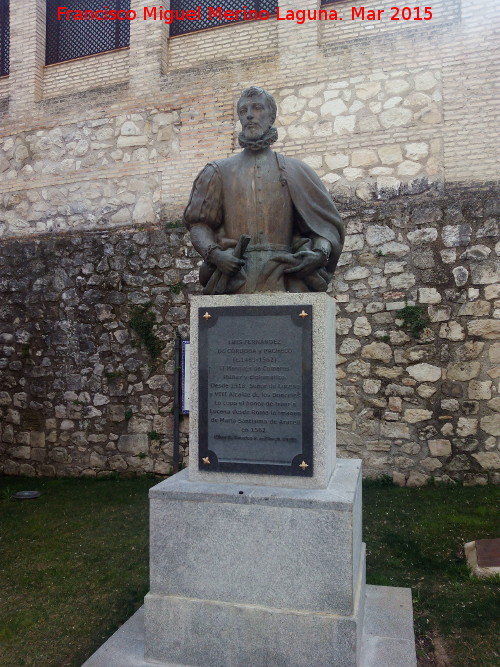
x,y
431,652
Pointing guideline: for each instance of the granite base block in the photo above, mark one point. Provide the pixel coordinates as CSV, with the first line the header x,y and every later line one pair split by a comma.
x,y
256,576
215,634
279,548
387,639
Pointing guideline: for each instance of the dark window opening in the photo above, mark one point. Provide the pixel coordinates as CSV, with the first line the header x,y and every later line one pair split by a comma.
x,y
4,37
182,24
68,39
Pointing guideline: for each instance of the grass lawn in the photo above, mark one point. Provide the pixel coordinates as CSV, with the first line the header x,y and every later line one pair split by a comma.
x,y
415,538
74,566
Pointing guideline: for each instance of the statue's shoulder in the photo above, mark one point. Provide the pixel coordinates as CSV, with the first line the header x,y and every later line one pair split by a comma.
x,y
227,161
226,165
295,166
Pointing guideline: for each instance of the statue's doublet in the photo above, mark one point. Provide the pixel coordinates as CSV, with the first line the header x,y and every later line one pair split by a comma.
x,y
243,194
255,201
279,202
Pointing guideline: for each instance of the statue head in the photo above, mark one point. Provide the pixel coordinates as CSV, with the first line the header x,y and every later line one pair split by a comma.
x,y
256,111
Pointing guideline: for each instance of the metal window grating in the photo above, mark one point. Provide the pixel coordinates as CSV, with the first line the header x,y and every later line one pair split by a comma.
x,y
181,27
4,37
70,39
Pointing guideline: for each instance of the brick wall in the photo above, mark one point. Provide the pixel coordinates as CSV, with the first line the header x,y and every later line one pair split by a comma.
x,y
444,13
4,88
86,73
368,90
227,43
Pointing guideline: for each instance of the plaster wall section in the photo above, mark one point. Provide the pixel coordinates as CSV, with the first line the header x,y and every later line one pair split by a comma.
x,y
146,43
27,54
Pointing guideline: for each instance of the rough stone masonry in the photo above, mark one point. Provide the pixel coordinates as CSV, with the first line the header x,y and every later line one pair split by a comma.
x,y
98,154
82,392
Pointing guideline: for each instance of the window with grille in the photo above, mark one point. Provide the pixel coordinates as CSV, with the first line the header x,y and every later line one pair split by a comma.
x,y
4,37
182,25
69,38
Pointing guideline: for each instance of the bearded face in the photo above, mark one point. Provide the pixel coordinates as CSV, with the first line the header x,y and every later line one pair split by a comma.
x,y
256,116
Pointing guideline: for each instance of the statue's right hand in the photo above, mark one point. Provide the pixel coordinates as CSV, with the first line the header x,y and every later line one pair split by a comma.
x,y
226,262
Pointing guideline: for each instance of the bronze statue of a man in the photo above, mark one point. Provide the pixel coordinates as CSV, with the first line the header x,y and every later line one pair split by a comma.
x,y
261,221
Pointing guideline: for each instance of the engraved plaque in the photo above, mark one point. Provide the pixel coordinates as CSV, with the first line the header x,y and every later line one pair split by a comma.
x,y
255,389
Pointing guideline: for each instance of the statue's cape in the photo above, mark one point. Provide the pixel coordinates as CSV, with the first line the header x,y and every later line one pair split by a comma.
x,y
314,210
313,203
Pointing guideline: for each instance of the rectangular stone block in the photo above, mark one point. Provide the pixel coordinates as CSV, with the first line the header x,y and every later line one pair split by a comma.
x,y
256,576
285,548
386,640
315,436
202,633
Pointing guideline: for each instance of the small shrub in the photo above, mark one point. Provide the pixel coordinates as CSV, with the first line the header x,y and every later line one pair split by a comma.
x,y
380,482
413,320
142,321
176,288
112,375
174,224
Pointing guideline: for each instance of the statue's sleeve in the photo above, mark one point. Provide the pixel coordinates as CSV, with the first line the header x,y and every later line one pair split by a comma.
x,y
205,203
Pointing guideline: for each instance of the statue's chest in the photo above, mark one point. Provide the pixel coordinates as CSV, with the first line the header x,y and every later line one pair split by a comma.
x,y
255,200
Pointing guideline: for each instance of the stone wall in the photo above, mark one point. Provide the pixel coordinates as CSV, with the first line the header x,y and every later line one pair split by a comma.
x,y
418,317
82,394
97,155
78,174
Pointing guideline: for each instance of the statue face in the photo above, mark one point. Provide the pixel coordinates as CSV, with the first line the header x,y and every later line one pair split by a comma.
x,y
255,116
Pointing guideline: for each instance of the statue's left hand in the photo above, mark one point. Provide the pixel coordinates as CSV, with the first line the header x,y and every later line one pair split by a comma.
x,y
307,262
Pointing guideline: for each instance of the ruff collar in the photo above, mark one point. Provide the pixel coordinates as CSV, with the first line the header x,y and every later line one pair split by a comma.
x,y
264,141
